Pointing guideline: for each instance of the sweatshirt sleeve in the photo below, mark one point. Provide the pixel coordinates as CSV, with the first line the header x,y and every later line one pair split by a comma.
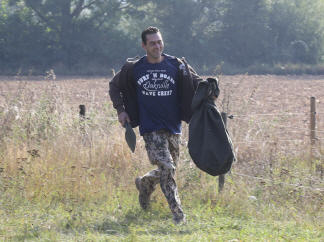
x,y
116,94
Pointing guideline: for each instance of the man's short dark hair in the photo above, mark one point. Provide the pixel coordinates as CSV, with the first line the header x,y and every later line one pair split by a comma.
x,y
149,30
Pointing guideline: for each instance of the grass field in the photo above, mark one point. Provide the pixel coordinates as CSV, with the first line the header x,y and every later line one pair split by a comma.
x,y
66,180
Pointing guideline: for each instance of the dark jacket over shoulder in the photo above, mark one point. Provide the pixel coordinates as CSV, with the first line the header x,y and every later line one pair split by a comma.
x,y
122,90
209,144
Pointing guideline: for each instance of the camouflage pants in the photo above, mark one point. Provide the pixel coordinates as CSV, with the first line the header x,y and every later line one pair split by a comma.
x,y
163,150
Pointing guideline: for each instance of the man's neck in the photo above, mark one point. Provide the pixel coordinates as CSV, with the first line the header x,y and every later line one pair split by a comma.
x,y
154,60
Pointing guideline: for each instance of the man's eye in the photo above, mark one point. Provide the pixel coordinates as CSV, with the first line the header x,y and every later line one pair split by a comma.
x,y
157,42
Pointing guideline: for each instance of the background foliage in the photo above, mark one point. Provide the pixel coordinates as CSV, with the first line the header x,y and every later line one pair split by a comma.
x,y
93,36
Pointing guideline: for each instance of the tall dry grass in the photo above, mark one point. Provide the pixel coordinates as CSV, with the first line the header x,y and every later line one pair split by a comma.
x,y
48,155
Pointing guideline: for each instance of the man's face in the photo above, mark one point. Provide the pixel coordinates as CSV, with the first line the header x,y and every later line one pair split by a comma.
x,y
154,45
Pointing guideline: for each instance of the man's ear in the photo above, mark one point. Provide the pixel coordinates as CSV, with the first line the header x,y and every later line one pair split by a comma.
x,y
143,46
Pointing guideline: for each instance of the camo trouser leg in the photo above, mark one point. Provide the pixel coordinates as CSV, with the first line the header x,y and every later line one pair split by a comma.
x,y
163,150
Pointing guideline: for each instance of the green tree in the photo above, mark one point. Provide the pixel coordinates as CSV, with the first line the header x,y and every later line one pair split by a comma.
x,y
71,21
207,30
88,36
297,28
22,41
75,27
245,35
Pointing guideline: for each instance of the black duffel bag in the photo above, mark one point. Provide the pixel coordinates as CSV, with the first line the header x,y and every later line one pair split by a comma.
x,y
210,146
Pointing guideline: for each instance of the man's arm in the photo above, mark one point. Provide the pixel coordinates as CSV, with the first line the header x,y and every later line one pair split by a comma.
x,y
195,77
188,70
213,81
117,100
115,93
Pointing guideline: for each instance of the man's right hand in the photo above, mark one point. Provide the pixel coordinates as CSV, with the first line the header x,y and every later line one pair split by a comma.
x,y
123,118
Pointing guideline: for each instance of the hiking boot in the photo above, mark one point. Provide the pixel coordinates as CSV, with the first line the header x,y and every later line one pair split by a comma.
x,y
179,219
144,196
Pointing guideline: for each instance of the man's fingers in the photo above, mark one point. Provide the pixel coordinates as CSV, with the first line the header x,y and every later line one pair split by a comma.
x,y
122,122
123,118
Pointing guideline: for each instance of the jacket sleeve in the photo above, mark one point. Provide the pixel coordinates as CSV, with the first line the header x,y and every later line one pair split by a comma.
x,y
115,93
195,77
187,70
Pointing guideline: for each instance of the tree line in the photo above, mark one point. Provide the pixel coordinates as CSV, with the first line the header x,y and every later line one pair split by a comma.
x,y
93,36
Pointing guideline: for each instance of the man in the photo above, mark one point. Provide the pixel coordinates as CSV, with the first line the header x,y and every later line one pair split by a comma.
x,y
155,92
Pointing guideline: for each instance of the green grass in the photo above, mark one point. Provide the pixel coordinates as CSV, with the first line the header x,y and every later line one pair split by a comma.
x,y
115,215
